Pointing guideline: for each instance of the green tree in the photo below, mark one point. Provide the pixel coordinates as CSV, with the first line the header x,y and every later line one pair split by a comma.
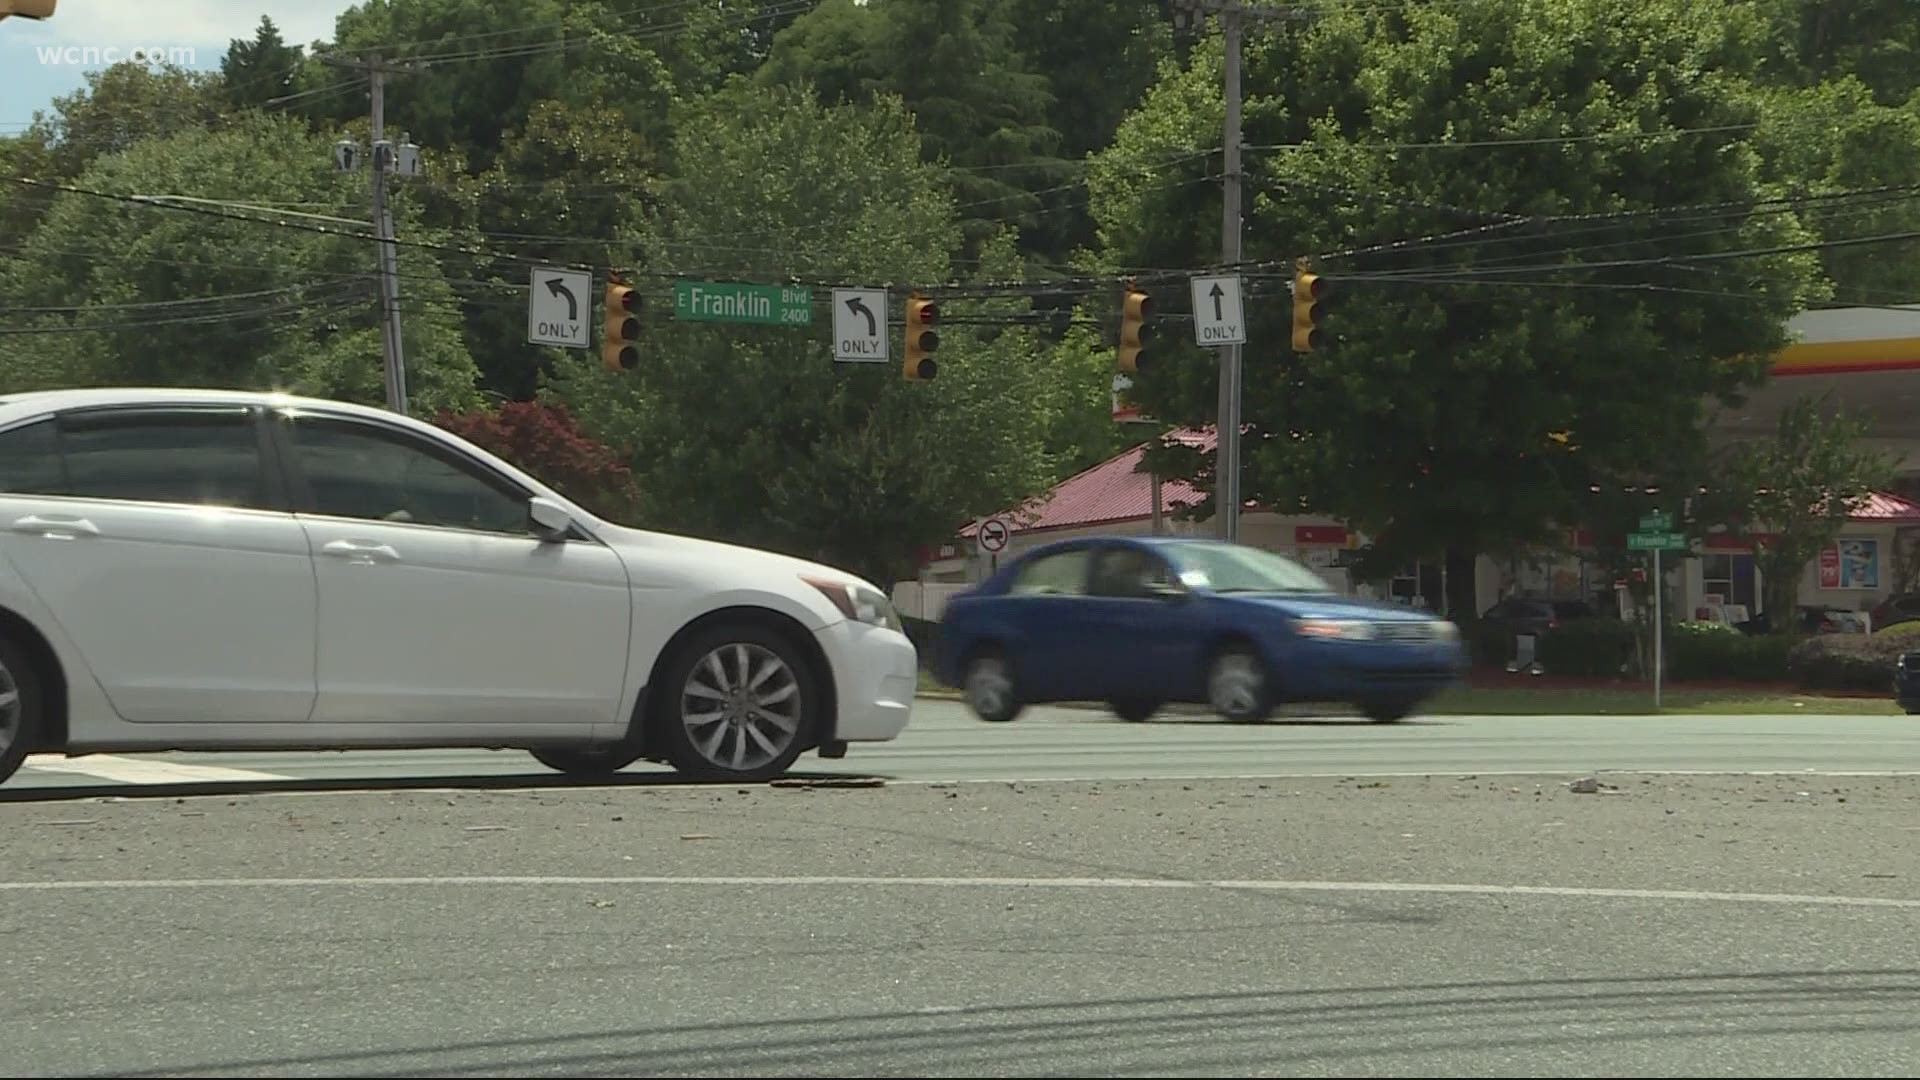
x,y
572,187
753,434
1834,153
115,291
978,108
256,71
1568,299
1806,42
1800,487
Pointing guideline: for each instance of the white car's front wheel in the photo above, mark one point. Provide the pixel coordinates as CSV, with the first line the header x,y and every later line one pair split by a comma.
x,y
740,704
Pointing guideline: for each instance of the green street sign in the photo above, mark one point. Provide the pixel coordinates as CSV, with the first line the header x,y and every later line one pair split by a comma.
x,y
1657,522
1657,541
723,301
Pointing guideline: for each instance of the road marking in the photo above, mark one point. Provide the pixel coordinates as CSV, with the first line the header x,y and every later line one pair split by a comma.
x,y
126,770
1225,885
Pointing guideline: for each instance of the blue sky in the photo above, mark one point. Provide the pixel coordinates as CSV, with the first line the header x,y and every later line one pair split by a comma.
x,y
31,77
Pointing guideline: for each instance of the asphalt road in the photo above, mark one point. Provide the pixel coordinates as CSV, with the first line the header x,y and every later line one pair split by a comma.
x,y
944,742
1453,926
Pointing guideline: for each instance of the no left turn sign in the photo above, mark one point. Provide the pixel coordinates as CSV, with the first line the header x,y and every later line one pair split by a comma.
x,y
994,534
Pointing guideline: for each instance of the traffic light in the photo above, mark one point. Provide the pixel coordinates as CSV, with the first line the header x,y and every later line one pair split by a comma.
x,y
617,352
27,9
1308,288
921,339
1135,308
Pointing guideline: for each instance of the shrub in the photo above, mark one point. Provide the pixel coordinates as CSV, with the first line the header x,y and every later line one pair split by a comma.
x,y
1586,647
1848,661
1706,650
544,441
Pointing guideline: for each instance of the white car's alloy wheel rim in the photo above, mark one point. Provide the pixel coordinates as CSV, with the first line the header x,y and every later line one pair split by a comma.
x,y
989,688
741,706
1236,685
11,709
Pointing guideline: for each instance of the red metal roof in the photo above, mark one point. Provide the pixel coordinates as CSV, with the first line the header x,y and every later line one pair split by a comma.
x,y
1884,506
1111,491
1114,491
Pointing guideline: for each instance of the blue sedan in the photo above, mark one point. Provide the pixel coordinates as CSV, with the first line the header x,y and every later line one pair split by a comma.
x,y
1138,622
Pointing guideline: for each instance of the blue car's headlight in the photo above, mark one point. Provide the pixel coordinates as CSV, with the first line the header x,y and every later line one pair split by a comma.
x,y
1445,632
1335,629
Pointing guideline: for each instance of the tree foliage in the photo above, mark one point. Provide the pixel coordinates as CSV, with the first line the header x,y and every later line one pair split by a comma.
x,y
121,291
752,434
1565,300
1799,487
544,439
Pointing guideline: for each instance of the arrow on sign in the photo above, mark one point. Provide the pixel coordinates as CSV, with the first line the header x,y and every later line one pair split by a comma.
x,y
1217,293
859,307
558,288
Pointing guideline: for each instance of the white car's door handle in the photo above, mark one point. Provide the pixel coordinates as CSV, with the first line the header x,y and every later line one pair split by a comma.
x,y
60,528
361,552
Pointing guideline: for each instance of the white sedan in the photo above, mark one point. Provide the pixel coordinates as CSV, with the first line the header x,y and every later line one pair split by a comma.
x,y
211,570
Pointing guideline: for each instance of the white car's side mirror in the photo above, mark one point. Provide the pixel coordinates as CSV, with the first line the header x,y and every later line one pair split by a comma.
x,y
552,523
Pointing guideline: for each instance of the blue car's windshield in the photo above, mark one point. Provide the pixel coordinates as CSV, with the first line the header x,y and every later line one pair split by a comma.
x,y
1231,568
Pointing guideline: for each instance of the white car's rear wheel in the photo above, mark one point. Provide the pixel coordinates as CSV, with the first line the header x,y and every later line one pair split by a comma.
x,y
741,703
20,707
586,760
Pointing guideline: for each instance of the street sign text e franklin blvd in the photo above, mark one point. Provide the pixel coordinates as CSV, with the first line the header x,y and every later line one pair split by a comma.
x,y
734,302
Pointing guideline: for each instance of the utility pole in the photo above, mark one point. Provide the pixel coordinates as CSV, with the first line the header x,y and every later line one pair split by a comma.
x,y
389,264
1233,16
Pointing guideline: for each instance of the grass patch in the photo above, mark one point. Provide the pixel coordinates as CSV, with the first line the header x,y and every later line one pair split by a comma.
x,y
1639,702
1527,701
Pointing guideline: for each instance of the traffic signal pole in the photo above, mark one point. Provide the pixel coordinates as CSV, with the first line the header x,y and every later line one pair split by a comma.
x,y
388,261
1227,453
1233,16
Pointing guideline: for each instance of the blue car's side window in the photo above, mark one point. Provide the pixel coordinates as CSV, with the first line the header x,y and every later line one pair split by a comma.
x,y
1064,574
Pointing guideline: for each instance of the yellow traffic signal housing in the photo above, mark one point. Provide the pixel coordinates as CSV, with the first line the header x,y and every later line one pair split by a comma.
x,y
27,9
1135,309
921,339
622,316
1308,289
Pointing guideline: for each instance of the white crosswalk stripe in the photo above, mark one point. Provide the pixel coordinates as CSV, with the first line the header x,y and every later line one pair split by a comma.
x,y
125,770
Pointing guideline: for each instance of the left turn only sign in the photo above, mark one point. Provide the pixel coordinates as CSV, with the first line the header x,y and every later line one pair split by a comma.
x,y
558,307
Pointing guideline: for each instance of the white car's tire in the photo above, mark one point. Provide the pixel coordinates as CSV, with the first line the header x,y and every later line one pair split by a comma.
x,y
740,702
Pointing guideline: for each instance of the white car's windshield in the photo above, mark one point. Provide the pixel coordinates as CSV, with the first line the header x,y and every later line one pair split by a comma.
x,y
1231,568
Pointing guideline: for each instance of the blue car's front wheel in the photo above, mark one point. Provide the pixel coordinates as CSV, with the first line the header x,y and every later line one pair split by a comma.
x,y
1237,686
989,687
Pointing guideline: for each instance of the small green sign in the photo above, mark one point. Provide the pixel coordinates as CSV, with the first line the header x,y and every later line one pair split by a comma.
x,y
723,301
1657,522
1657,541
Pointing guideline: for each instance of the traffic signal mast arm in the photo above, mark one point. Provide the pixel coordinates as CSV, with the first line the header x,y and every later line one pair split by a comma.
x,y
27,9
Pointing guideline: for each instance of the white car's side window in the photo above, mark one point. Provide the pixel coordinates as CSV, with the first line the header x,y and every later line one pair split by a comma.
x,y
357,470
194,457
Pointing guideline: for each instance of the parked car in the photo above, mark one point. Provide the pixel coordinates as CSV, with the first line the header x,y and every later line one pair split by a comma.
x,y
1526,615
1906,682
1896,609
1139,622
186,569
